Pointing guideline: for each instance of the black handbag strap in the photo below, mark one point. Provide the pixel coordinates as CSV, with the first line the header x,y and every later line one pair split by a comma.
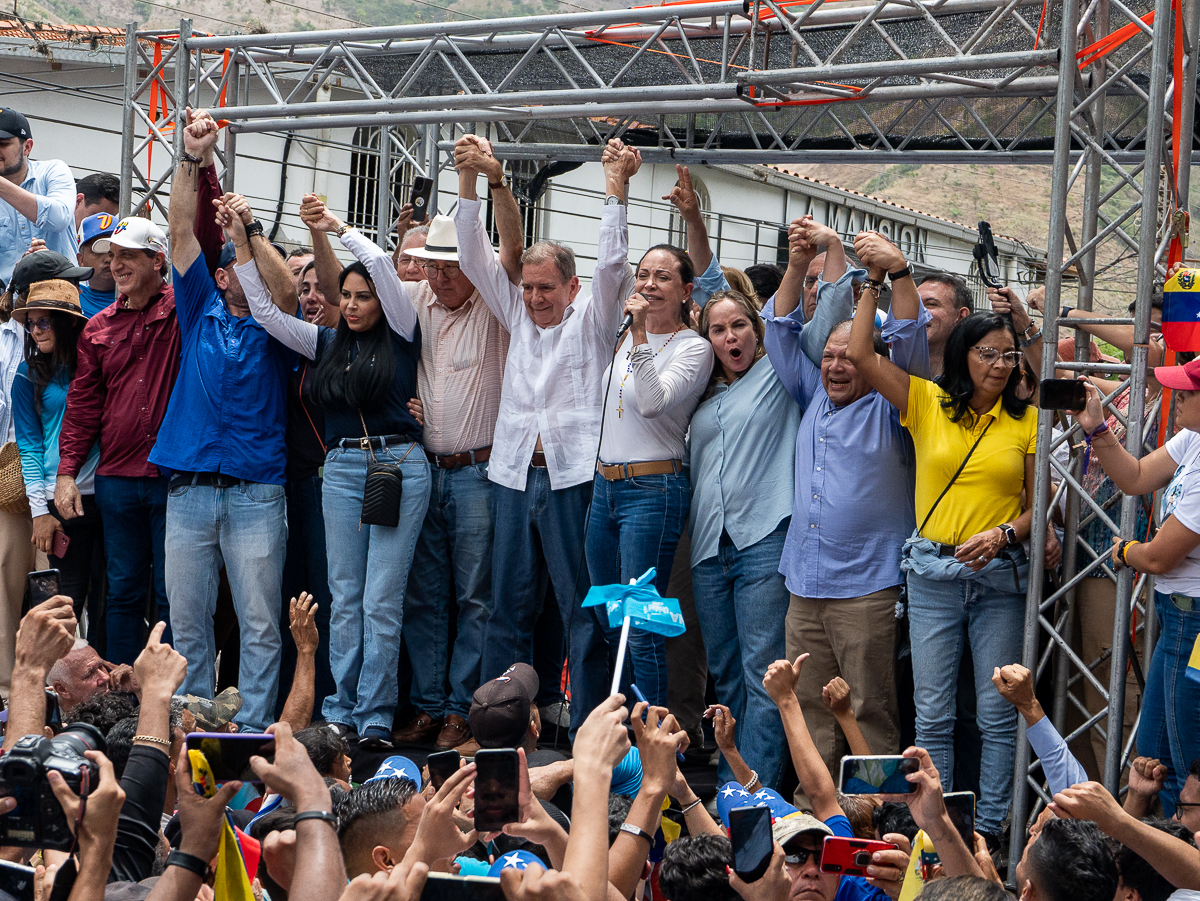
x,y
954,477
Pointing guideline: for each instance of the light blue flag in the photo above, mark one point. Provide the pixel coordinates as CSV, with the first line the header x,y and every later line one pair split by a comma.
x,y
642,603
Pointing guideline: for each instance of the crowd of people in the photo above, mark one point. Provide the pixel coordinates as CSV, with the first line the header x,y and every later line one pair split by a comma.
x,y
379,493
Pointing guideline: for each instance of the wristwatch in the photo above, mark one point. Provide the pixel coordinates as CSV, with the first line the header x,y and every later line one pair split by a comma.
x,y
343,228
901,273
254,228
502,183
612,200
1010,534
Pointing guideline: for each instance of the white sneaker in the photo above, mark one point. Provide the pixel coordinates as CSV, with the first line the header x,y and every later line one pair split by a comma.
x,y
556,714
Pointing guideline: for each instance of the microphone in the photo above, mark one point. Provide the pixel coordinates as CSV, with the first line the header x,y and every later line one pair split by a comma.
x,y
625,325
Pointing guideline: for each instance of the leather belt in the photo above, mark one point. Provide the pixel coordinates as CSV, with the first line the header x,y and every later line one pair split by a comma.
x,y
538,459
210,479
614,472
457,461
377,442
947,550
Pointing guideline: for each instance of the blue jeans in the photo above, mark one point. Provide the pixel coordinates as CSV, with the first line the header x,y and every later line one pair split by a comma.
x,y
453,562
1167,729
368,571
305,568
539,531
742,602
994,619
636,524
243,527
134,512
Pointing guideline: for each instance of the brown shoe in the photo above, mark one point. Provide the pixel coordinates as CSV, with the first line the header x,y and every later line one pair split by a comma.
x,y
419,732
454,733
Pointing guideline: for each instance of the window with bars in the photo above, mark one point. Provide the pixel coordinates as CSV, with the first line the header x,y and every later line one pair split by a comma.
x,y
363,207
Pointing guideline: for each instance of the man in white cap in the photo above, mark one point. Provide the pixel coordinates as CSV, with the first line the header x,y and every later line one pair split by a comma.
x,y
37,197
128,360
463,351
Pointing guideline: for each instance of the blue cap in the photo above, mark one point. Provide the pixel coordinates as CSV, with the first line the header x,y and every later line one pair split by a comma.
x,y
228,255
398,767
515,860
96,225
779,807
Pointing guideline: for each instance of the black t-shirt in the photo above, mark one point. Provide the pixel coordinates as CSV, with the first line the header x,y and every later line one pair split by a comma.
x,y
305,436
145,785
390,416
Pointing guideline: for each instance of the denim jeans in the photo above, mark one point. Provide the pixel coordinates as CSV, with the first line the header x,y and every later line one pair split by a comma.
x,y
305,568
243,527
134,513
539,531
636,524
742,602
368,572
1167,729
453,562
994,619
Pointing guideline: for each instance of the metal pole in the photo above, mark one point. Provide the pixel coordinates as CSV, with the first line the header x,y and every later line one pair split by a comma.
x,y
127,120
183,59
233,84
433,134
1147,244
1041,489
383,197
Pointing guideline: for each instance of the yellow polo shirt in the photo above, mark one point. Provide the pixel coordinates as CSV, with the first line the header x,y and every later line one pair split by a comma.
x,y
988,491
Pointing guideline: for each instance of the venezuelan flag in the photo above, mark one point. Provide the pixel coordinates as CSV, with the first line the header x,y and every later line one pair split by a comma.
x,y
1181,310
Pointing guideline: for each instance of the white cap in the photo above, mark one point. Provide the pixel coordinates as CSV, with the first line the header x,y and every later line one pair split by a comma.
x,y
135,233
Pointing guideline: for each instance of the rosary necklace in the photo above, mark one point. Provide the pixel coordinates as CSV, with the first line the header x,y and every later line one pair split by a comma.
x,y
629,369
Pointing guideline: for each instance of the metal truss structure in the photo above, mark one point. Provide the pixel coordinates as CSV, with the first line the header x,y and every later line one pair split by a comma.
x,y
913,81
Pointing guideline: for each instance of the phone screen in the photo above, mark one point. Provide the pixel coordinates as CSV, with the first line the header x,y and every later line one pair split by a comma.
x,y
229,755
496,778
961,807
422,191
444,887
442,766
877,775
42,585
1062,394
16,882
750,835
53,715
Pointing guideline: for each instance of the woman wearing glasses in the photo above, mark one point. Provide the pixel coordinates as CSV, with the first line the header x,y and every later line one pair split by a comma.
x,y
966,569
53,321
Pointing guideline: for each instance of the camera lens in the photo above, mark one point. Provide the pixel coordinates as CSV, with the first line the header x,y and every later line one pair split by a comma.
x,y
862,859
80,737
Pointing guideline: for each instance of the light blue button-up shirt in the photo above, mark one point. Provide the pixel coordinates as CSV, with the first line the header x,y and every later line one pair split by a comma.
x,y
854,503
52,182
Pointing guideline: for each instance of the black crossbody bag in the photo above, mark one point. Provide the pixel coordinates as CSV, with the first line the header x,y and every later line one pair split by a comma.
x,y
383,489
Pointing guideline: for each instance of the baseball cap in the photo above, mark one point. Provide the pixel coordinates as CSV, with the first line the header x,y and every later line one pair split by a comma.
x,y
95,226
787,820
213,715
1180,378
14,125
499,714
398,767
797,824
515,860
43,265
134,233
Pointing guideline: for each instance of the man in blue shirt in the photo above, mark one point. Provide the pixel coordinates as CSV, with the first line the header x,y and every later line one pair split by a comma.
x,y
37,197
853,507
101,288
223,440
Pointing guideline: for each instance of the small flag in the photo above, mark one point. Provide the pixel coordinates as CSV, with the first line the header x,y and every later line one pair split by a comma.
x,y
1181,310
642,603
1193,667
232,879
515,860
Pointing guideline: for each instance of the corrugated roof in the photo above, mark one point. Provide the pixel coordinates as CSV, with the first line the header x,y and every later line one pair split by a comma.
x,y
786,171
52,32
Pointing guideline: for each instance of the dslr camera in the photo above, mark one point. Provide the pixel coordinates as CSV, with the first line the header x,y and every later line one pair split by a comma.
x,y
39,820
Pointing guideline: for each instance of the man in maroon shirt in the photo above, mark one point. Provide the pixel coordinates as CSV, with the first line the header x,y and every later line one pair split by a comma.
x,y
128,361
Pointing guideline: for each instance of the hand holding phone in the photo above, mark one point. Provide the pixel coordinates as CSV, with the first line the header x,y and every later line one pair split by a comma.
x,y
752,841
228,754
850,856
442,766
1062,394
497,784
422,193
42,585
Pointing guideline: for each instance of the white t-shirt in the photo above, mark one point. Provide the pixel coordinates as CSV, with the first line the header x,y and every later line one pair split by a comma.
x,y
1181,499
652,393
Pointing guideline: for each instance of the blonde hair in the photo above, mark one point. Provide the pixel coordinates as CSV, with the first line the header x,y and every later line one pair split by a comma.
x,y
746,305
740,282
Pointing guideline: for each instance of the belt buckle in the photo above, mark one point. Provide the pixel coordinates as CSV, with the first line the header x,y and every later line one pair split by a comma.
x,y
364,443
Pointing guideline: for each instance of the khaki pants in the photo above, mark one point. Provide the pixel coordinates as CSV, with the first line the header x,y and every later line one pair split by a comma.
x,y
854,638
16,561
1095,608
686,661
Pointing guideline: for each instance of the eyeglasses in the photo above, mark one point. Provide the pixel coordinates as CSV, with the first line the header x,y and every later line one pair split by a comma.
x,y
432,271
989,356
1186,804
798,857
43,324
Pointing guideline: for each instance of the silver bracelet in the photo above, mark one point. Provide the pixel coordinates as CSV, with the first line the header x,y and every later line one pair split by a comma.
x,y
690,806
753,781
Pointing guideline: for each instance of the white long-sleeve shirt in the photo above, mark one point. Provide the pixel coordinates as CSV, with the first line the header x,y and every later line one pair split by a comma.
x,y
554,377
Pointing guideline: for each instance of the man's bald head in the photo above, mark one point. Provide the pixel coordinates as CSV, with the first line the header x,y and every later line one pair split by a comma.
x,y
78,677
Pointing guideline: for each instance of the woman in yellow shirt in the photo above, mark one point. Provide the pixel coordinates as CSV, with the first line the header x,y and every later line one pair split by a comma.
x,y
965,563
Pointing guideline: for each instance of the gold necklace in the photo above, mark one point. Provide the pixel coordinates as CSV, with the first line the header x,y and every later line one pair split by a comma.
x,y
629,368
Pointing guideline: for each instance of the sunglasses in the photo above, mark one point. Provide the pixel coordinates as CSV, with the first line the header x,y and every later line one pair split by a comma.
x,y
43,323
798,857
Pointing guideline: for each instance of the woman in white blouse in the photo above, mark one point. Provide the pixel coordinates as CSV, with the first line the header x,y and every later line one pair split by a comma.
x,y
641,495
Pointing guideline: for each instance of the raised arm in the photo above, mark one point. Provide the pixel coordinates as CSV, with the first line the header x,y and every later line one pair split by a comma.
x,y
1131,474
472,158
1015,684
835,289
601,742
272,268
800,256
836,695
46,634
609,280
684,197
199,137
883,375
1006,302
904,329
297,710
289,331
780,683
